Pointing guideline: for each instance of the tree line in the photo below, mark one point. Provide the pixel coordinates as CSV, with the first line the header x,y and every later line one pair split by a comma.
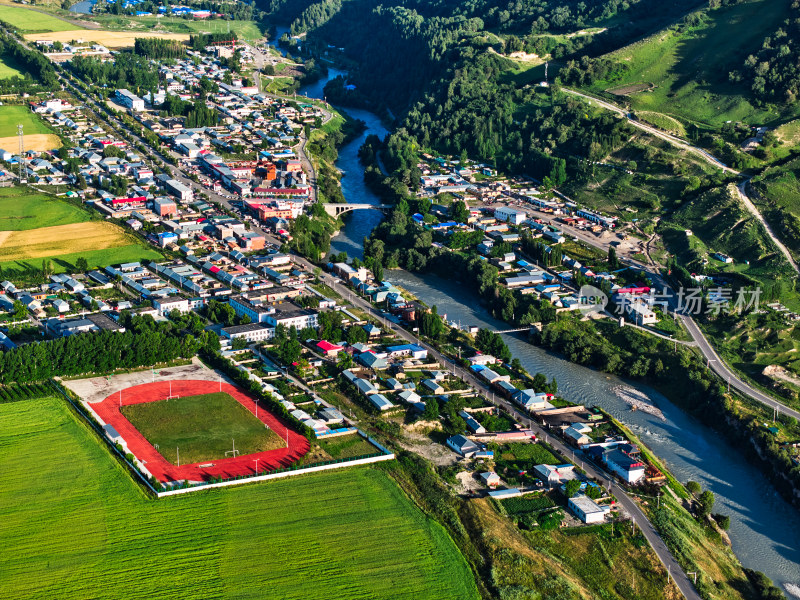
x,y
159,48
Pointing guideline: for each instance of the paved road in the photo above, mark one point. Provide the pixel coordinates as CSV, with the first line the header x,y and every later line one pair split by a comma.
x,y
641,520
720,368
675,141
741,190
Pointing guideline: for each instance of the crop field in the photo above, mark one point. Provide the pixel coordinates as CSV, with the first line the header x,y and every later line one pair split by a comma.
x,y
46,242
109,39
26,19
347,446
281,539
527,504
684,66
34,226
203,427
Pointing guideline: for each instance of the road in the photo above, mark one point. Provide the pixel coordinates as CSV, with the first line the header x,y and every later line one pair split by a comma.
x,y
740,189
641,520
719,367
675,141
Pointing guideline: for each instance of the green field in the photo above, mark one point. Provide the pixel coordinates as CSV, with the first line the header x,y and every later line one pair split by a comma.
x,y
76,526
687,68
65,263
11,116
203,427
32,21
347,446
246,30
7,69
22,209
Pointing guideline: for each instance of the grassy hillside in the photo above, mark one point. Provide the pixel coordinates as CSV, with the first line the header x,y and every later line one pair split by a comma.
x,y
76,526
683,70
776,193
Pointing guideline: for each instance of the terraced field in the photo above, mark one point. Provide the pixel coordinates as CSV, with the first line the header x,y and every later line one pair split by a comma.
x,y
76,526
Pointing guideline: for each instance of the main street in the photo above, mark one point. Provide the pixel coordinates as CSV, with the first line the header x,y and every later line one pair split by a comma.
x,y
630,506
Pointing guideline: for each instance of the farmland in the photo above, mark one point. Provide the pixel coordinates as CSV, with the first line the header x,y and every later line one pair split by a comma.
x,y
684,68
109,39
201,426
246,30
28,20
34,226
284,536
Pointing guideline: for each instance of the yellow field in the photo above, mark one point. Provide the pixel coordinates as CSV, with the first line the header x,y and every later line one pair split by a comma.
x,y
34,141
61,239
109,39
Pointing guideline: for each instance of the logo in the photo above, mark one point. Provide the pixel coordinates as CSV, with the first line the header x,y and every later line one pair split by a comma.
x,y
592,300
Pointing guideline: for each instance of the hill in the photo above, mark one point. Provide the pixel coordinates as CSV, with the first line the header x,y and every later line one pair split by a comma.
x,y
694,70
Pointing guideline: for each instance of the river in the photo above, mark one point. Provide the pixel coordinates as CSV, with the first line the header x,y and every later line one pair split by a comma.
x,y
765,530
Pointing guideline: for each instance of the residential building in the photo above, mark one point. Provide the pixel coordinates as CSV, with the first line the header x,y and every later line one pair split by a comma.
x,y
464,446
170,303
252,332
629,468
587,510
130,100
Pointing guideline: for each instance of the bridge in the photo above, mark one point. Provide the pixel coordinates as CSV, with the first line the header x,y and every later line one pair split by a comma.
x,y
336,209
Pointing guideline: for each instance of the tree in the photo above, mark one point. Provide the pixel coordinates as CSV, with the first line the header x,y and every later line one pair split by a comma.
x,y
344,360
459,211
724,521
431,412
706,503
612,258
693,487
571,487
81,264
239,343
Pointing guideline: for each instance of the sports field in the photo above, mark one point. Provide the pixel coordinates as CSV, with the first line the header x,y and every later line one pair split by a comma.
x,y
75,526
685,73
11,116
203,427
36,226
26,19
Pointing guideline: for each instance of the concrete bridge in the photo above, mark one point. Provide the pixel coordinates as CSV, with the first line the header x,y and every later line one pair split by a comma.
x,y
336,209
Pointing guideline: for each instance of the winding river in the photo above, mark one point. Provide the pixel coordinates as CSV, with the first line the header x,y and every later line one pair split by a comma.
x,y
765,530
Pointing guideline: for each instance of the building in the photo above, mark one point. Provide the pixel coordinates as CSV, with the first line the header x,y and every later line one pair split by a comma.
x,y
510,215
372,360
629,468
587,510
555,475
180,191
576,437
129,100
640,313
325,348
164,207
465,447
472,424
164,306
380,402
252,332
95,322
290,315
490,479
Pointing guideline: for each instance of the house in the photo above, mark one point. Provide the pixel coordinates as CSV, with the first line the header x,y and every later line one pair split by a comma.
x,y
472,424
576,437
61,306
531,400
372,330
554,475
331,416
465,447
432,386
640,313
380,402
130,100
409,396
622,464
328,349
510,215
372,360
490,479
587,510
482,359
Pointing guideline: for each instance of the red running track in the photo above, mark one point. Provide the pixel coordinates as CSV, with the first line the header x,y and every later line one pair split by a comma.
x,y
163,470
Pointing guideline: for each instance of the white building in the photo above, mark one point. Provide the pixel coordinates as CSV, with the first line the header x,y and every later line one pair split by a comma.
x,y
252,332
130,100
640,313
587,510
510,215
170,303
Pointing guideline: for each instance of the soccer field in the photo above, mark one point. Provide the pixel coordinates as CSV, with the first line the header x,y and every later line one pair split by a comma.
x,y
204,427
75,526
11,116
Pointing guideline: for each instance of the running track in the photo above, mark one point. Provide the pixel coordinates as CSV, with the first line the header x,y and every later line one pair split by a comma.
x,y
164,471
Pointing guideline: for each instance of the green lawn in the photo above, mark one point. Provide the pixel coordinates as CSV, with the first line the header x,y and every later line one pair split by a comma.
x,y
32,21
22,209
203,427
11,116
688,70
76,526
347,446
7,69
